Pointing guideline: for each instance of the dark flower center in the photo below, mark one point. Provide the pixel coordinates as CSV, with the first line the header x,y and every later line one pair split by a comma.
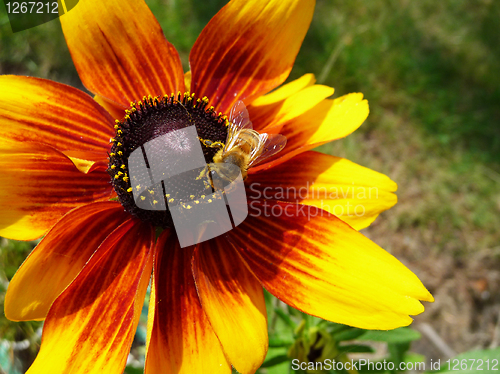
x,y
151,127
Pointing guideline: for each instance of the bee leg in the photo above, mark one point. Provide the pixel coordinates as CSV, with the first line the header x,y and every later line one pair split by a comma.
x,y
203,173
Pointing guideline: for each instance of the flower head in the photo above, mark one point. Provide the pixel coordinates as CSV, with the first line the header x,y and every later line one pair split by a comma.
x,y
62,177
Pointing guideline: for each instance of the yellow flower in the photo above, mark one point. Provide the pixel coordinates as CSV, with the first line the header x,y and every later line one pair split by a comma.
x,y
88,276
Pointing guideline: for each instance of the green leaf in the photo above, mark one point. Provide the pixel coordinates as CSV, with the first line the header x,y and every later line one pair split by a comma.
x,y
276,360
397,352
413,358
285,318
350,334
133,370
401,335
355,348
279,342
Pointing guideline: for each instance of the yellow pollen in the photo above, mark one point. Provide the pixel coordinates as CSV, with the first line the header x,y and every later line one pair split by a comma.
x,y
191,196
138,187
125,178
196,201
171,200
129,189
155,202
143,198
113,166
120,153
151,192
123,166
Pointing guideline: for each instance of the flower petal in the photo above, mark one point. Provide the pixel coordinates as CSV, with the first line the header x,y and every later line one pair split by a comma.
x,y
355,194
181,338
234,302
285,91
320,265
327,121
272,117
248,49
116,111
58,259
120,52
81,160
187,79
39,110
91,325
39,185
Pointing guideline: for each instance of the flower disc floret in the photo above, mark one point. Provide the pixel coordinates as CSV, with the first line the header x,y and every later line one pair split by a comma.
x,y
147,120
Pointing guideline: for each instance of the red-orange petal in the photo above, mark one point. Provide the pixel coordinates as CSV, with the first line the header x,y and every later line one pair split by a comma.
x,y
58,259
91,325
39,110
40,185
233,300
116,111
248,49
355,194
181,339
120,52
315,262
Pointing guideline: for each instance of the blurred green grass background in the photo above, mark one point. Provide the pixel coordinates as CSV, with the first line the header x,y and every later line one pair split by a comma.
x,y
431,73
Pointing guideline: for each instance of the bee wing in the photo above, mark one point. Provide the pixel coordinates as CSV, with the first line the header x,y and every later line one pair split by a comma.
x,y
238,120
269,145
238,116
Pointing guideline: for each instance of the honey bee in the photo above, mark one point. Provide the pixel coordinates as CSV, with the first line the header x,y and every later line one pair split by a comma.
x,y
244,146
